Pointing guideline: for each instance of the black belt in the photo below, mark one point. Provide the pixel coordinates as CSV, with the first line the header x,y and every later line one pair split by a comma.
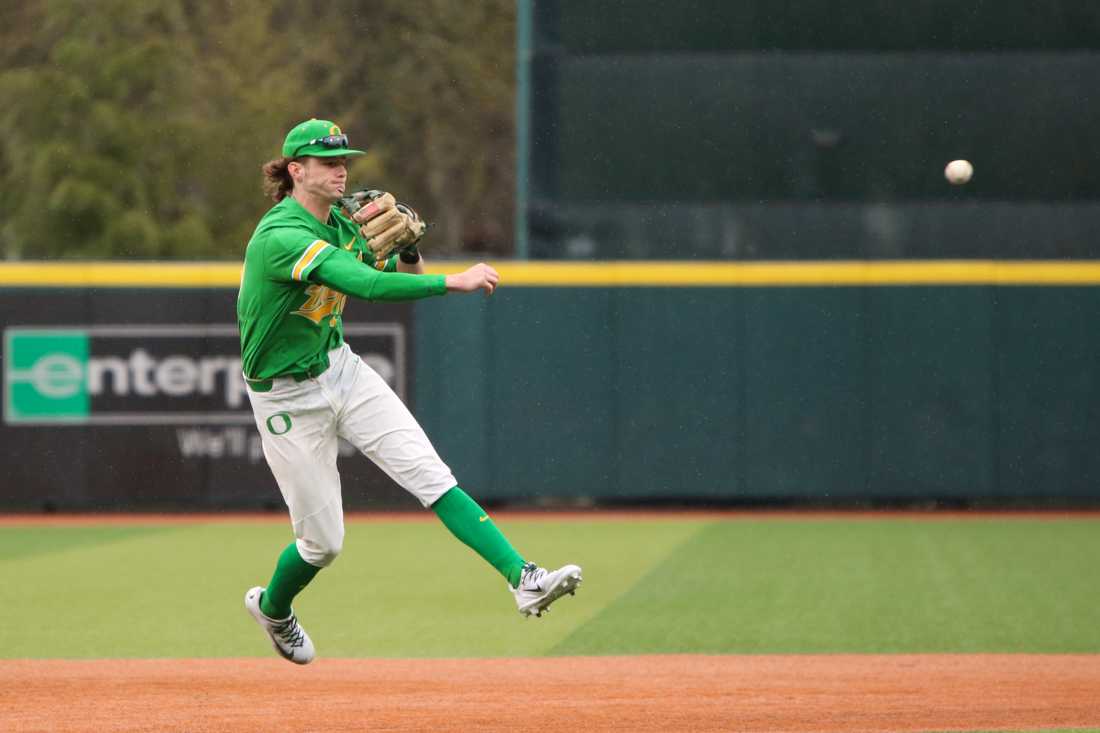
x,y
265,385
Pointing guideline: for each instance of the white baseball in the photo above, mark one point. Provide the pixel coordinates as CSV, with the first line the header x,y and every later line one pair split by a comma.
x,y
958,172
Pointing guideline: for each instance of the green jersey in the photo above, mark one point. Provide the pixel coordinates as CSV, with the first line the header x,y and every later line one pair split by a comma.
x,y
288,314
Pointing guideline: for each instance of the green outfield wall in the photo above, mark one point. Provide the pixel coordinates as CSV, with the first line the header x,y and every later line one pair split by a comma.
x,y
774,393
817,382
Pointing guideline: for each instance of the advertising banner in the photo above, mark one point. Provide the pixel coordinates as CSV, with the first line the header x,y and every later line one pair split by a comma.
x,y
152,411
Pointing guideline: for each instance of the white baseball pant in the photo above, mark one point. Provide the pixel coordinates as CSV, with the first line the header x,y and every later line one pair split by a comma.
x,y
299,423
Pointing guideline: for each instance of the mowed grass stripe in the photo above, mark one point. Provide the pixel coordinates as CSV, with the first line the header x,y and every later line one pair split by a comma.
x,y
891,586
399,590
18,543
451,604
158,594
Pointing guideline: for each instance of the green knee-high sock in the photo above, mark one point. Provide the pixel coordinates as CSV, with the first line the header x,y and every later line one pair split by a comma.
x,y
292,573
471,524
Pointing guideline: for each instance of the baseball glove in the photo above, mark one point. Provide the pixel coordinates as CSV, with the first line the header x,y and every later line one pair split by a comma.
x,y
387,225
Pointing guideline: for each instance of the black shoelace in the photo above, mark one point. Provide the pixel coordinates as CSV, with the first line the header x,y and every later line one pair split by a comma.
x,y
289,631
531,576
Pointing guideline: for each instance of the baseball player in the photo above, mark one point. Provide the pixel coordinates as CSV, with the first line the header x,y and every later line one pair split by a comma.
x,y
308,388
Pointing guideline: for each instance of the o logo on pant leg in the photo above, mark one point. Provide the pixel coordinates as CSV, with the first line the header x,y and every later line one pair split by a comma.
x,y
279,423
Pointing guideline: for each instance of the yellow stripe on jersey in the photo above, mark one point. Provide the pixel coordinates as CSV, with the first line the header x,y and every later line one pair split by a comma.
x,y
307,258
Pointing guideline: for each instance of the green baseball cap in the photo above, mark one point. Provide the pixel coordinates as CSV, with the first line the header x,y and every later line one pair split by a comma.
x,y
318,138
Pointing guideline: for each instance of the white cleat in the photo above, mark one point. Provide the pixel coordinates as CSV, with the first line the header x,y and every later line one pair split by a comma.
x,y
539,587
287,636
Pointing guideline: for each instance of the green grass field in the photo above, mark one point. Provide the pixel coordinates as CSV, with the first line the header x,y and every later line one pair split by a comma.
x,y
738,585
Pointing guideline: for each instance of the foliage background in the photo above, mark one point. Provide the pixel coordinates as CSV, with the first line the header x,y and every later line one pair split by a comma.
x,y
137,130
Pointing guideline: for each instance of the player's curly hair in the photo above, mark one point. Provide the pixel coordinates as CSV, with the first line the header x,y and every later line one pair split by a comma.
x,y
277,181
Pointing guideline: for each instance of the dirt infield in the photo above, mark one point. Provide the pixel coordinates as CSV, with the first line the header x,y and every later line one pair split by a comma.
x,y
841,693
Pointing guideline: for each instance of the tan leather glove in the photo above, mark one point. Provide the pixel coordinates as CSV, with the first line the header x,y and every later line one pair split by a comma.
x,y
386,225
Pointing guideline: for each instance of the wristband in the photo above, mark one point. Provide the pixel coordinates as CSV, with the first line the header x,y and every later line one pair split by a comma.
x,y
410,256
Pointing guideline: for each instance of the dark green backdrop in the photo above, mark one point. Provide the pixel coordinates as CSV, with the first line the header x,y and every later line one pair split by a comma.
x,y
812,129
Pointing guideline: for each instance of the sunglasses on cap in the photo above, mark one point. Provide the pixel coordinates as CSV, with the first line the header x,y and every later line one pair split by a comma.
x,y
329,141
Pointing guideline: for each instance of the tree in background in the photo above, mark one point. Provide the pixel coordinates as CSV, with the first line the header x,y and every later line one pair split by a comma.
x,y
437,95
92,136
138,130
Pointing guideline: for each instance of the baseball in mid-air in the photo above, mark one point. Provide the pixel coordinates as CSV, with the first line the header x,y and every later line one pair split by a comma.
x,y
958,172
